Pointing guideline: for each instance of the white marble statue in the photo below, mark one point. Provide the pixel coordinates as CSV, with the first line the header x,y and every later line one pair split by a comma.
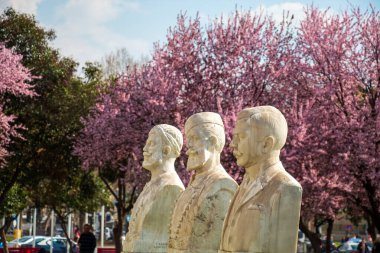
x,y
264,213
198,215
148,228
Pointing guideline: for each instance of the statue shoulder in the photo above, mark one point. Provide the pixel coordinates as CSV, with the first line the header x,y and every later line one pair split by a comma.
x,y
222,183
172,181
173,188
289,183
284,178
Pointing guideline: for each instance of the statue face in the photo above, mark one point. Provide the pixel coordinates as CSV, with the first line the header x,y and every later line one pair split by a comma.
x,y
198,150
244,144
152,151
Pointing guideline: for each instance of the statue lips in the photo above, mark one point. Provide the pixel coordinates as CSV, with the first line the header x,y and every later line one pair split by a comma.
x,y
192,158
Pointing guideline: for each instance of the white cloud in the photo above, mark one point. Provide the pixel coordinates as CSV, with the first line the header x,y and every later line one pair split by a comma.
x,y
25,6
277,11
83,30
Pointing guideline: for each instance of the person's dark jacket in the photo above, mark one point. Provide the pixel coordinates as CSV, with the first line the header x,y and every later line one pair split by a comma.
x,y
376,246
87,243
360,247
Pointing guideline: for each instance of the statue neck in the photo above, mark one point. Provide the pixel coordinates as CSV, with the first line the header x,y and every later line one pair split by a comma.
x,y
258,169
212,162
167,165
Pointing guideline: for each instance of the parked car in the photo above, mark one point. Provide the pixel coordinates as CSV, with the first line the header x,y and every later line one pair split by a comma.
x,y
351,246
108,234
304,244
59,245
25,241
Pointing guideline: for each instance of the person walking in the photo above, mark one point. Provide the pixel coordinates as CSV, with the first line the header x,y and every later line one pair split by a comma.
x,y
87,240
362,247
376,245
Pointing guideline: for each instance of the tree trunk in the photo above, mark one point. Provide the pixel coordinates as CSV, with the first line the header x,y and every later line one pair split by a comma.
x,y
4,240
330,226
376,222
3,233
374,203
313,237
121,207
371,227
64,227
118,231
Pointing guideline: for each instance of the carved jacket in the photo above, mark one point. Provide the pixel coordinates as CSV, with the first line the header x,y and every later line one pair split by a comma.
x,y
198,216
264,214
148,227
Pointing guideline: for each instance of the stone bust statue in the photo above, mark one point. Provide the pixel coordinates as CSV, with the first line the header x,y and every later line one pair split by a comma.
x,y
198,215
148,228
264,213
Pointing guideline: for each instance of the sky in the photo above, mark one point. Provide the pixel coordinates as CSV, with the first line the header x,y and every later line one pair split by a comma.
x,y
87,30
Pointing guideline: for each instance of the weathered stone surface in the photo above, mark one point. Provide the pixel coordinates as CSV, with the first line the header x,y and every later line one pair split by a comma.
x,y
148,228
200,210
264,213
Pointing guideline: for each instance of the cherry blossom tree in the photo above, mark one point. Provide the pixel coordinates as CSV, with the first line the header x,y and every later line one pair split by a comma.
x,y
331,103
230,64
14,78
216,68
341,56
323,75
115,133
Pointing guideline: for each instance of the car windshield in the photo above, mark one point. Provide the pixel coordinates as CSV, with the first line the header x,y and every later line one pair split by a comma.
x,y
57,241
345,247
39,240
23,239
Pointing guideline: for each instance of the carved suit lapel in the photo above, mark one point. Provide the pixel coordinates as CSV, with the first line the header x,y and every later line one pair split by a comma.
x,y
256,187
229,212
251,192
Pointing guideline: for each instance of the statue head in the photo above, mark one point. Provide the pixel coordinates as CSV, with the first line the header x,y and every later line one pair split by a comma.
x,y
205,138
259,134
164,142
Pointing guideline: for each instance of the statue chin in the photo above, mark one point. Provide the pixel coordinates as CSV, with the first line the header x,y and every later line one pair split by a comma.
x,y
197,161
149,165
194,165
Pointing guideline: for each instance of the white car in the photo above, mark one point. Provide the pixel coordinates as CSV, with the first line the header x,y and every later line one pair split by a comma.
x,y
351,246
25,241
59,244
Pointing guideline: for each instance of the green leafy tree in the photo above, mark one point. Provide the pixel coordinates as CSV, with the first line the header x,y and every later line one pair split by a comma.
x,y
41,152
13,204
42,162
77,191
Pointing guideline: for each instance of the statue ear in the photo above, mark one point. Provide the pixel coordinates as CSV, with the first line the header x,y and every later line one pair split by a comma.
x,y
166,150
268,144
213,141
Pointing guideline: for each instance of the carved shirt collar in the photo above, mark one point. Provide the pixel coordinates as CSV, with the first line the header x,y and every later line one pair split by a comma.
x,y
251,187
201,177
265,174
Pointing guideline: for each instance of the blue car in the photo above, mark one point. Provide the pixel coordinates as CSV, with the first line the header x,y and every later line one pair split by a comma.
x,y
59,245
